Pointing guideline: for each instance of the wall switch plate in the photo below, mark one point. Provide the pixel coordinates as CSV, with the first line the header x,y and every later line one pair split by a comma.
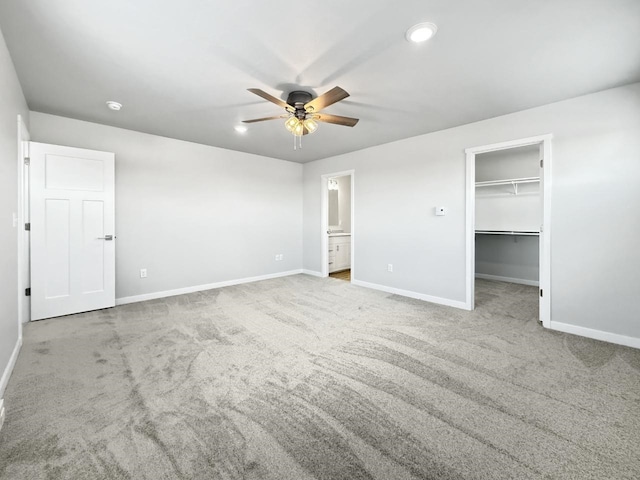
x,y
441,211
390,268
15,219
279,257
143,273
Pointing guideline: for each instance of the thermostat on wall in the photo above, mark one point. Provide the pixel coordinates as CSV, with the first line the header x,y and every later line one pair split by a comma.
x,y
441,211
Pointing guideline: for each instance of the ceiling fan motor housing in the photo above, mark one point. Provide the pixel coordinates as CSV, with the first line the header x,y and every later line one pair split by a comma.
x,y
298,99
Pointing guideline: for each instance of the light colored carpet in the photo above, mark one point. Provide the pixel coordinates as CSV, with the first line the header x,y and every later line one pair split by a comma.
x,y
309,378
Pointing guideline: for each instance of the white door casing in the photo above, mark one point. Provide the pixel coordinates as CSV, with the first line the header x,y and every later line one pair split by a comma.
x,y
24,304
72,217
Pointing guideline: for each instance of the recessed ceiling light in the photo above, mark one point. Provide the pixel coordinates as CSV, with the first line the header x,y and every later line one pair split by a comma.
x,y
114,105
240,128
421,32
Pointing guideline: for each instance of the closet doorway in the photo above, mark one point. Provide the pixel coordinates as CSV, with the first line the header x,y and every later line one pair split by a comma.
x,y
337,225
508,217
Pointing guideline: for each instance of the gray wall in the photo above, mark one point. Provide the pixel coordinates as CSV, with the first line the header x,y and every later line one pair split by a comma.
x,y
595,207
509,256
511,163
12,103
188,213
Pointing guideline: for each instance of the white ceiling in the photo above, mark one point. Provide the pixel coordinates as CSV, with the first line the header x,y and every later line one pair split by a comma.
x,y
181,69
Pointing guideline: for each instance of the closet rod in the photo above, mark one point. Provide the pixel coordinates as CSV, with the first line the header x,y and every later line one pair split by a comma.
x,y
509,181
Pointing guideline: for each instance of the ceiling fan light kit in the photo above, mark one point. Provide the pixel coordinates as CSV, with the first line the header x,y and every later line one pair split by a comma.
x,y
302,109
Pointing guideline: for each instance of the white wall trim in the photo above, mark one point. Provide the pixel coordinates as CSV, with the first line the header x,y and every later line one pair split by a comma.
x,y
199,288
498,278
523,142
9,368
312,272
24,314
596,334
407,293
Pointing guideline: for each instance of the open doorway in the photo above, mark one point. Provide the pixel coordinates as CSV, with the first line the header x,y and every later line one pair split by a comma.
x,y
337,228
508,213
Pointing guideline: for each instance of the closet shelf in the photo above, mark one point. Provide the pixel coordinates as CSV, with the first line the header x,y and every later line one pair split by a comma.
x,y
507,232
514,182
508,181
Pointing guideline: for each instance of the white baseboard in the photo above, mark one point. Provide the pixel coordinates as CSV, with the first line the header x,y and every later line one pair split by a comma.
x,y
312,272
410,294
1,413
9,368
596,334
200,288
521,281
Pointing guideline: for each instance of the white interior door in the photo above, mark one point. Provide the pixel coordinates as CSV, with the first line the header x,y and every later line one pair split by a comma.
x,y
544,239
72,230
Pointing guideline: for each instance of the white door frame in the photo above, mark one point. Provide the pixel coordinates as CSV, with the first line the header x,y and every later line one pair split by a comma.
x,y
23,217
545,233
324,220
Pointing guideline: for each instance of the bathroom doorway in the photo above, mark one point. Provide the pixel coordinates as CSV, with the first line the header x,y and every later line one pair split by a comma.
x,y
337,225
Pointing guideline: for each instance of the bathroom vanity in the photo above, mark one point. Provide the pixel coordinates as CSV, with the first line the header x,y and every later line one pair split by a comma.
x,y
339,251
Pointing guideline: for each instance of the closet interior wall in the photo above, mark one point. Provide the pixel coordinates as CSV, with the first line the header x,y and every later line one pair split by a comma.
x,y
508,215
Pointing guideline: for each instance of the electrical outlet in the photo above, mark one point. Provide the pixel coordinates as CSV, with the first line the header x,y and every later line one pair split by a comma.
x,y
143,273
390,268
281,257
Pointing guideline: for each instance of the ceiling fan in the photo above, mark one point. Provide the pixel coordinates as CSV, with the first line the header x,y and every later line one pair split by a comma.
x,y
303,111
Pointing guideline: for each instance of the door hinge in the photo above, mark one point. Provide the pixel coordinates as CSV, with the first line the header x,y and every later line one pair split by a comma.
x,y
27,161
27,226
27,292
541,292
542,163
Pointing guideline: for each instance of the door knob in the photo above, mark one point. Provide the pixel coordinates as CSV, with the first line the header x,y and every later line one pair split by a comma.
x,y
106,237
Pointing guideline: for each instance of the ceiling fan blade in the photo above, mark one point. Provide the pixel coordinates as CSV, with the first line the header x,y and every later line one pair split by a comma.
x,y
263,119
332,96
337,119
271,98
